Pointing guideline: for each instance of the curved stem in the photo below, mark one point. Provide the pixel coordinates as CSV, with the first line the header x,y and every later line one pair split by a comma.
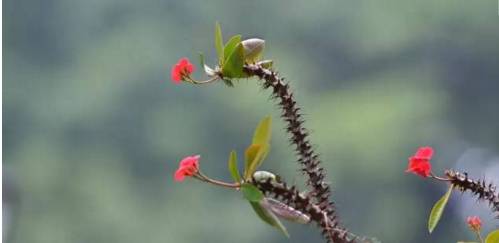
x,y
308,158
323,207
438,178
204,178
191,80
479,236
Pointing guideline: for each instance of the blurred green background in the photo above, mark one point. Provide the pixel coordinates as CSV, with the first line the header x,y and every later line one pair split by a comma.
x,y
94,128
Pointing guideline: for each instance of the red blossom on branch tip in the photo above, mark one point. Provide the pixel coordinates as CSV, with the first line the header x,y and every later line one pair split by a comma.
x,y
183,68
419,164
474,223
189,166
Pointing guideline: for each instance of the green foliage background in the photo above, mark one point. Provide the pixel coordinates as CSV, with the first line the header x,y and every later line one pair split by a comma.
x,y
94,129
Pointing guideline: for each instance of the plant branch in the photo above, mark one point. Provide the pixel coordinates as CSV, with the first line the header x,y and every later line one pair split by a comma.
x,y
479,236
299,136
293,198
484,191
205,178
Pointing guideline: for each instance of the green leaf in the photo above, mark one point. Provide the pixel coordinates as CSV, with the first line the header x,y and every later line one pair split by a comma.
x,y
254,156
233,66
251,193
264,151
438,209
231,45
201,58
234,172
493,237
269,217
249,156
219,43
263,131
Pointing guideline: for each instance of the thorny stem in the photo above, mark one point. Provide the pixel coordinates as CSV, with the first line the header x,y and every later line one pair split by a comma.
x,y
299,136
481,189
461,182
307,157
304,203
321,209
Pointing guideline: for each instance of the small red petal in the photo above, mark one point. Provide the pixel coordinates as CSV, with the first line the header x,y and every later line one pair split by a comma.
x,y
176,77
181,68
190,68
183,61
188,166
179,176
419,167
176,74
424,153
474,223
190,161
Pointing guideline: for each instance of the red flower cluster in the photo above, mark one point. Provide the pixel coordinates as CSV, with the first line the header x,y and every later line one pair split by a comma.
x,y
189,166
182,69
419,164
474,223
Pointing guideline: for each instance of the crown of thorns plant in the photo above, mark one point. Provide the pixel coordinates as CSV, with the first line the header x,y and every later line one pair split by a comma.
x,y
268,194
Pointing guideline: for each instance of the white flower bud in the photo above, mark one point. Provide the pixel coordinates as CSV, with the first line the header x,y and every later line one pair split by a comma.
x,y
253,49
263,176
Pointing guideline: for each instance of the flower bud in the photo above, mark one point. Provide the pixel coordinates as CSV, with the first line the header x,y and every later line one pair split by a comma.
x,y
474,223
263,176
253,49
189,166
419,164
181,70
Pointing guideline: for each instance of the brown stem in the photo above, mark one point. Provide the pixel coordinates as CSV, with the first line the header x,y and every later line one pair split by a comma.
x,y
325,211
484,191
331,231
191,80
299,136
479,236
438,178
205,178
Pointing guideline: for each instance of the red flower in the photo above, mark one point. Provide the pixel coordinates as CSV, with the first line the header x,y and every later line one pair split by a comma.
x,y
182,69
189,166
474,223
419,164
